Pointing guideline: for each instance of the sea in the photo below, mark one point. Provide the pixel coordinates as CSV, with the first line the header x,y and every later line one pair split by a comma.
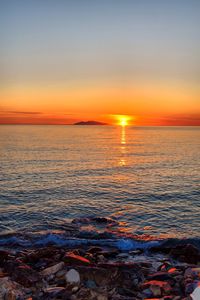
x,y
117,185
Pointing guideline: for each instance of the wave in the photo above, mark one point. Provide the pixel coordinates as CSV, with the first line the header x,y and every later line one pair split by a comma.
x,y
37,240
88,231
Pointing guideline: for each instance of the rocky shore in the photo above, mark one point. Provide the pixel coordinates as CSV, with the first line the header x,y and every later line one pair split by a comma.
x,y
100,273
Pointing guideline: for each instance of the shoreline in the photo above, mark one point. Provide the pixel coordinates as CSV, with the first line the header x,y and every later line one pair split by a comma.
x,y
100,272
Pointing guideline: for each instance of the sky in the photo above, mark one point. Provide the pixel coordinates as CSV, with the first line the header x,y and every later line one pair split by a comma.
x,y
64,61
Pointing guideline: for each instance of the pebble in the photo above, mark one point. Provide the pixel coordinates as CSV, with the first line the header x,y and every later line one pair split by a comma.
x,y
72,277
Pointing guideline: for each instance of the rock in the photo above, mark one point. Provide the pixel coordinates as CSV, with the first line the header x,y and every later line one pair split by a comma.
x,y
189,288
147,293
35,256
10,290
72,277
2,273
54,292
98,295
186,253
136,252
196,294
156,290
70,257
94,250
196,271
102,277
126,292
25,276
162,276
75,289
165,287
3,256
60,274
90,284
122,255
53,269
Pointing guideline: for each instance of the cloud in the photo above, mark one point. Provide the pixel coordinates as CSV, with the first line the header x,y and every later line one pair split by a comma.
x,y
24,112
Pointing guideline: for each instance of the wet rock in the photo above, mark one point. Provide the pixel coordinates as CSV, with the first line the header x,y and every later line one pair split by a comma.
x,y
25,276
72,258
72,277
122,255
94,250
3,256
36,255
53,269
110,254
186,253
136,252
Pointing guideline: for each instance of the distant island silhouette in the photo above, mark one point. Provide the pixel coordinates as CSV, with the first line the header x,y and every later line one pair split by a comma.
x,y
90,123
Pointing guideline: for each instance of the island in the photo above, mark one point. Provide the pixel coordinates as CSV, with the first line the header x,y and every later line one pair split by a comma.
x,y
89,123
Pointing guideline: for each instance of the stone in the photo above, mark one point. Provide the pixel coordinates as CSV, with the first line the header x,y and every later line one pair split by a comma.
x,y
165,287
70,257
186,253
94,250
3,256
90,284
147,293
53,269
25,275
61,273
10,290
73,277
156,290
122,255
98,296
196,294
75,289
162,276
53,292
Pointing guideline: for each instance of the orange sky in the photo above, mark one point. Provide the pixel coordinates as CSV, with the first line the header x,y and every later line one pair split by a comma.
x,y
74,60
149,103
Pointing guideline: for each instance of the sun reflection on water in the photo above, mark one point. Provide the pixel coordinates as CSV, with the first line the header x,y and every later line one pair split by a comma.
x,y
122,161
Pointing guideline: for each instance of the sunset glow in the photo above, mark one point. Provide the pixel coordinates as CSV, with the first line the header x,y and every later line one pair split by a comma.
x,y
62,71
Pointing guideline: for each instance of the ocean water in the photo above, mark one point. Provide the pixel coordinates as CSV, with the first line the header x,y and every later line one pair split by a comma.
x,y
144,180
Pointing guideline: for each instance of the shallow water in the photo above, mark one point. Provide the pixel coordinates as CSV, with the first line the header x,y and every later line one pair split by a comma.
x,y
146,178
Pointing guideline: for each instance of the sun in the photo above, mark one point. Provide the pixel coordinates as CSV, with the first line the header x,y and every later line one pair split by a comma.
x,y
123,122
